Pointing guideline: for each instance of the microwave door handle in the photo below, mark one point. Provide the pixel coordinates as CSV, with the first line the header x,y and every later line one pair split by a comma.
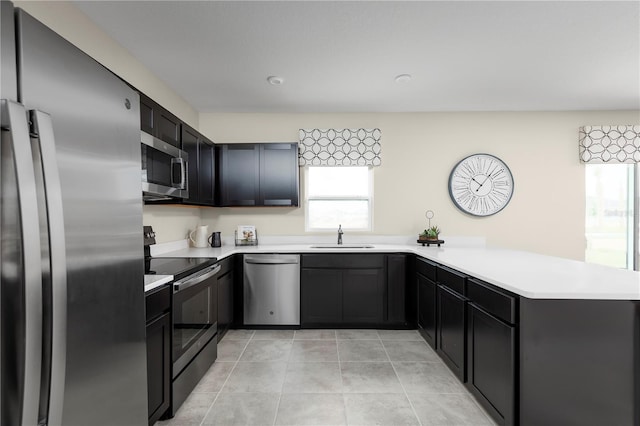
x,y
14,116
183,172
53,195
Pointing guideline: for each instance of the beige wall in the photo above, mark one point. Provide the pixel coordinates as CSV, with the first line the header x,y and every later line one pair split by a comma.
x,y
171,223
76,27
546,213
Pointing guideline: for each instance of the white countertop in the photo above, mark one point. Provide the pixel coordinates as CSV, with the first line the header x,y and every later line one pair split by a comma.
x,y
155,281
527,274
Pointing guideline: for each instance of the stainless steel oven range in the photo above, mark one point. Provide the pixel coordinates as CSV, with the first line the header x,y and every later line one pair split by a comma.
x,y
194,320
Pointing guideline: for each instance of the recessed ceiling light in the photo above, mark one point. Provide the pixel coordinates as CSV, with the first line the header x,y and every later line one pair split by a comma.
x,y
275,80
403,78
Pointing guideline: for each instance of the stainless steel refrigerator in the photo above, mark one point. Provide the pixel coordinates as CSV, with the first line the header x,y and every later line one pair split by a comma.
x,y
72,318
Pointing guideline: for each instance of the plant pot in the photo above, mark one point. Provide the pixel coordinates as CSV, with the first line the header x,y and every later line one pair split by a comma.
x,y
431,239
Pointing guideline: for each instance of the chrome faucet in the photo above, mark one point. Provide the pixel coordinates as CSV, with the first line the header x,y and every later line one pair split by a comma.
x,y
340,234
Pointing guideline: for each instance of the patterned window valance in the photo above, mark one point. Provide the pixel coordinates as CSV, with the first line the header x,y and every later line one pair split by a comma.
x,y
610,144
340,147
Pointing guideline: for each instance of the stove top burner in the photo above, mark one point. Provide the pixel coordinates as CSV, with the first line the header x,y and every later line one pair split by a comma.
x,y
179,267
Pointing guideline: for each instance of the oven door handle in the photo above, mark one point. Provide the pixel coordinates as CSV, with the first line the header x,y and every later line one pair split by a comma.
x,y
182,285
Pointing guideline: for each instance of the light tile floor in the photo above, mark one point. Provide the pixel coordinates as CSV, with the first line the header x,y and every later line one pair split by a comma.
x,y
328,377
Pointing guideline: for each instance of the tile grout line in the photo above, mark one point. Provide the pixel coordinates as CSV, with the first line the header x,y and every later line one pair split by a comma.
x,y
406,395
226,380
286,368
344,402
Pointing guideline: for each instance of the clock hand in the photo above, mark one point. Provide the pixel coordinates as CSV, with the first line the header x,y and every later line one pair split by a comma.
x,y
474,179
483,182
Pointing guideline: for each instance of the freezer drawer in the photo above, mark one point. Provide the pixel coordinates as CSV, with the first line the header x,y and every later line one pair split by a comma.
x,y
272,289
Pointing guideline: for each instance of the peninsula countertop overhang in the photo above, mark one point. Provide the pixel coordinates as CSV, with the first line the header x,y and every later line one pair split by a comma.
x,y
526,274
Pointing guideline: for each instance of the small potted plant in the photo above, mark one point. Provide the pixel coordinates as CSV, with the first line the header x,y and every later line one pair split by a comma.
x,y
430,234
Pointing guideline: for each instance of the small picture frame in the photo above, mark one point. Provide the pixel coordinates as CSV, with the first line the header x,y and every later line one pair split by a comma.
x,y
246,233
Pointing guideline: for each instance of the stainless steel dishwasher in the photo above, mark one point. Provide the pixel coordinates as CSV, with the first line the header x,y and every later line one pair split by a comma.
x,y
272,289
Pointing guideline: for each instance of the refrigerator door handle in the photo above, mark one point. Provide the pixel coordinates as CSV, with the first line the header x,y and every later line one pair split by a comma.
x,y
15,117
55,218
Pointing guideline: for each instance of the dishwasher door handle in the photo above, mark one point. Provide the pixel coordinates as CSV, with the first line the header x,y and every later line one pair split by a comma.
x,y
271,261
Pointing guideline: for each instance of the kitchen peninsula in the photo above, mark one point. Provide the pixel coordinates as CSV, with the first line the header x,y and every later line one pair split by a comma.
x,y
537,339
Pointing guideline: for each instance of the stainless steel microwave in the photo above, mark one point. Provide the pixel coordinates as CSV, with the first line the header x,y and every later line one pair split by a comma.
x,y
164,169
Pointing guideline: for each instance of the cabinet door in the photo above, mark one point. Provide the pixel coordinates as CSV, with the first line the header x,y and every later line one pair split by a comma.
x,y
279,173
147,108
225,303
362,296
321,294
451,339
396,288
167,127
491,363
158,366
427,309
206,172
190,142
240,174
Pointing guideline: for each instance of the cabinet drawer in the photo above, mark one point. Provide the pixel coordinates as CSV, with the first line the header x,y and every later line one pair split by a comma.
x,y
426,268
157,302
350,261
452,279
495,302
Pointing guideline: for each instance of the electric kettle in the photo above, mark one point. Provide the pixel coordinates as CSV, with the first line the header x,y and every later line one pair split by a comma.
x,y
199,236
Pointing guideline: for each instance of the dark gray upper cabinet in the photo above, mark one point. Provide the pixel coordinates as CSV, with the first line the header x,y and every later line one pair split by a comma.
x,y
190,142
202,167
259,174
159,122
239,174
279,174
207,172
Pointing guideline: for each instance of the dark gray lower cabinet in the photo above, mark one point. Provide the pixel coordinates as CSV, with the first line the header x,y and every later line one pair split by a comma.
x,y
362,296
158,366
427,303
426,290
491,363
342,297
158,305
397,265
342,290
225,302
451,326
321,293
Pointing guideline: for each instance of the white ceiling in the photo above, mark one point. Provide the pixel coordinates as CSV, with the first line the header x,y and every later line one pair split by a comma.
x,y
342,56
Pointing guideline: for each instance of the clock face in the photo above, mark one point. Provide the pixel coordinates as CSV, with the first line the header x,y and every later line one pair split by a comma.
x,y
481,185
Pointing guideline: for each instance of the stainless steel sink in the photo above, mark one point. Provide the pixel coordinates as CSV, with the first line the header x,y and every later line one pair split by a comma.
x,y
342,246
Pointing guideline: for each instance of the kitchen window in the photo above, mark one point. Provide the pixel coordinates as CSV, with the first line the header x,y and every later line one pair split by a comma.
x,y
339,196
609,221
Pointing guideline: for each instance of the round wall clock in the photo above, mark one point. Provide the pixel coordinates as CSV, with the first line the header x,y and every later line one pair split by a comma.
x,y
481,185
